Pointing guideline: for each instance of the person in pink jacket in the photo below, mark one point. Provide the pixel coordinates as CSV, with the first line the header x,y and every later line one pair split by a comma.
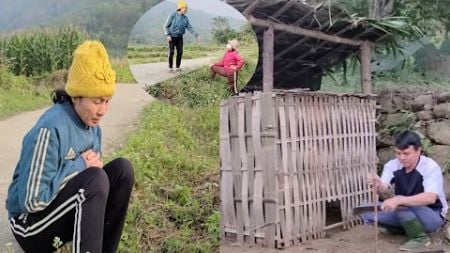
x,y
230,64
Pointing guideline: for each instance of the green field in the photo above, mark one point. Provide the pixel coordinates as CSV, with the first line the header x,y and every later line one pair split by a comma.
x,y
140,53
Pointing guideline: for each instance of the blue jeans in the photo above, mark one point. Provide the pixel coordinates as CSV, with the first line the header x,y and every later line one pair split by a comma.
x,y
430,219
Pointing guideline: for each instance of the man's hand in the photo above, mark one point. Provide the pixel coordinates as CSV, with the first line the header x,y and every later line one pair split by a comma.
x,y
199,39
389,205
92,159
373,179
233,67
169,38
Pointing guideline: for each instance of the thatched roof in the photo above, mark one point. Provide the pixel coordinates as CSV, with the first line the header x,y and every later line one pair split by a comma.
x,y
300,61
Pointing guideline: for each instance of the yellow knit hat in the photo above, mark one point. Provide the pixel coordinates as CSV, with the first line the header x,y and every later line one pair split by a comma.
x,y
182,4
91,74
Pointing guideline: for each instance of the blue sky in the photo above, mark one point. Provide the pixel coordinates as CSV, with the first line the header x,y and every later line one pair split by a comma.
x,y
215,7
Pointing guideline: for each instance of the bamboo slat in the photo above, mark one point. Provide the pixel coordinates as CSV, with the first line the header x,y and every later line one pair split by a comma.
x,y
236,168
226,175
302,170
287,231
244,164
293,170
251,164
258,211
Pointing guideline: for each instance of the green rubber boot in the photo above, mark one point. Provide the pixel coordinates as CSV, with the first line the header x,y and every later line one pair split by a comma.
x,y
387,230
416,234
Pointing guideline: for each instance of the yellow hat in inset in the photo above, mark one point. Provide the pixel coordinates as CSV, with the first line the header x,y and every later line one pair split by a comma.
x,y
182,4
91,74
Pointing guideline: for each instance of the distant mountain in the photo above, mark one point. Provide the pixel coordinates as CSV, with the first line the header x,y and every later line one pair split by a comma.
x,y
107,20
24,14
149,28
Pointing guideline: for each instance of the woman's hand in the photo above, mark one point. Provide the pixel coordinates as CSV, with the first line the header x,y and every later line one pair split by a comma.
x,y
92,159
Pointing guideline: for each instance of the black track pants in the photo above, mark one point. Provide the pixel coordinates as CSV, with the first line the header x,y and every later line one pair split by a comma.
x,y
176,42
90,211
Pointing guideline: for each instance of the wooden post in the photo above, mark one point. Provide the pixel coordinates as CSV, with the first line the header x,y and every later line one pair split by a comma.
x,y
366,82
268,48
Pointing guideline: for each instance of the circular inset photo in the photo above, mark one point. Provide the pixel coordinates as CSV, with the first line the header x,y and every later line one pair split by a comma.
x,y
192,52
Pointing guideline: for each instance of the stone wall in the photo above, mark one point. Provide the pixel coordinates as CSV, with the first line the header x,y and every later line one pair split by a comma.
x,y
425,111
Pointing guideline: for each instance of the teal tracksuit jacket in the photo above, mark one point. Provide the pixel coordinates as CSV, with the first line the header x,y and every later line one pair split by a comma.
x,y
177,24
50,156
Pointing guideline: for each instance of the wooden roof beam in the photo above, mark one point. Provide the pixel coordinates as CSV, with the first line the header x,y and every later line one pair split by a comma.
x,y
300,20
322,59
284,8
279,55
318,46
251,8
305,32
339,48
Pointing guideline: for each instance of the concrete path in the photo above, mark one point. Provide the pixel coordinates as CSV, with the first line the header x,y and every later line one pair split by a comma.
x,y
152,73
122,117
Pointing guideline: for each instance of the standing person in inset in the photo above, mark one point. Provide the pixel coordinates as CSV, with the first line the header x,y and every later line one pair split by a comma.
x,y
419,205
174,28
230,64
61,191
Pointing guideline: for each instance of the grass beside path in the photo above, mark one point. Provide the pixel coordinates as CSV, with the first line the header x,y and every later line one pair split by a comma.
x,y
18,94
175,203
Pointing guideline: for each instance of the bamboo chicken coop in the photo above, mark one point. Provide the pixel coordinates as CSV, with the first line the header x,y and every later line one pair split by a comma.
x,y
286,152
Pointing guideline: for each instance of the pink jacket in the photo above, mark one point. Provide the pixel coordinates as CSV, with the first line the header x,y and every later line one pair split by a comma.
x,y
231,58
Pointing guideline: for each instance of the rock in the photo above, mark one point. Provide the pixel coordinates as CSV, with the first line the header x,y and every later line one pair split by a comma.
x,y
384,140
442,111
447,186
424,115
440,153
384,155
399,103
421,127
422,102
443,98
386,104
424,99
428,107
399,120
439,132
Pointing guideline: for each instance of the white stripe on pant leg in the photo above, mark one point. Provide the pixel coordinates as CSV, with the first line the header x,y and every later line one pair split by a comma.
x,y
14,226
76,241
55,212
75,244
79,198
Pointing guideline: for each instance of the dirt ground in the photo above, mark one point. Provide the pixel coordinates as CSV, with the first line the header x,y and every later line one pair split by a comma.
x,y
360,239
